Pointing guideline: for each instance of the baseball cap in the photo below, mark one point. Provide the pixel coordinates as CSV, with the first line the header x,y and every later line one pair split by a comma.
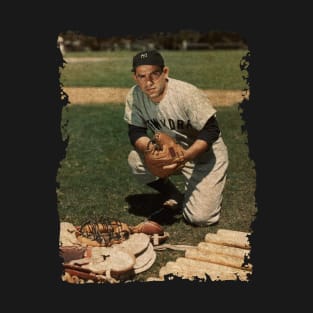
x,y
148,57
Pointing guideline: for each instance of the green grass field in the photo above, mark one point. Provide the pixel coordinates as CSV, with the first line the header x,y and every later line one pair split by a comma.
x,y
94,177
206,69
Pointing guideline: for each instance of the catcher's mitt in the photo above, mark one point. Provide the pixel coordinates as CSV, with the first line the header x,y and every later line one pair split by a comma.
x,y
163,155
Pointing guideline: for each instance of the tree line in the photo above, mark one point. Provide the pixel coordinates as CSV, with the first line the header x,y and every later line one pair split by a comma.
x,y
182,40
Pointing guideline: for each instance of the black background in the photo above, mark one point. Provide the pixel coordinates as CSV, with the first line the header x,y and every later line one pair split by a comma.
x,y
31,125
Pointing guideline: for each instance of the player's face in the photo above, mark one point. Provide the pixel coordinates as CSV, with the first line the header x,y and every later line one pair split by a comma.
x,y
152,80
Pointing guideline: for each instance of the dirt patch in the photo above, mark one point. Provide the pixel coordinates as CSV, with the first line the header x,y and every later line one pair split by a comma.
x,y
86,59
100,95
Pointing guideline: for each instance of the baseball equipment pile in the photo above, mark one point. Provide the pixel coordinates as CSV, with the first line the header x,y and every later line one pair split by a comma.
x,y
108,250
163,155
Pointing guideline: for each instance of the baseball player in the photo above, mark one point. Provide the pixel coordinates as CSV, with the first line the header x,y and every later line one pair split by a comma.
x,y
158,102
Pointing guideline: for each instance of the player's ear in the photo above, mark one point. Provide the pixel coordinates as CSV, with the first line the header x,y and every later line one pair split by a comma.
x,y
166,71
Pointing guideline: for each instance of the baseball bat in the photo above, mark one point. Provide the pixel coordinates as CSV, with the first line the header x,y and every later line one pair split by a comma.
x,y
211,247
231,240
216,258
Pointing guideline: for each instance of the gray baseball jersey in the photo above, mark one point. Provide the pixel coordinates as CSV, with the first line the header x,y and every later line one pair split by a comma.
x,y
182,112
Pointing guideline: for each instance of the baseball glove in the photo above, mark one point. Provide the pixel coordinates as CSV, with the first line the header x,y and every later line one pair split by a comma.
x,y
163,155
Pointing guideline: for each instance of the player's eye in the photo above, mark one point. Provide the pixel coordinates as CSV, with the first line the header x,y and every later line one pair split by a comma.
x,y
155,75
141,77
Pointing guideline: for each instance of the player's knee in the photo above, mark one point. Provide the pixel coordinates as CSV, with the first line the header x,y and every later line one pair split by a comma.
x,y
132,159
201,220
138,169
135,162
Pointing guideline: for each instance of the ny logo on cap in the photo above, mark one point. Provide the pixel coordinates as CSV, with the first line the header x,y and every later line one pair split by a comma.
x,y
144,55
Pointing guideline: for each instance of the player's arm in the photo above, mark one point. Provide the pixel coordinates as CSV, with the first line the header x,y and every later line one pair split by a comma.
x,y
206,137
138,137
